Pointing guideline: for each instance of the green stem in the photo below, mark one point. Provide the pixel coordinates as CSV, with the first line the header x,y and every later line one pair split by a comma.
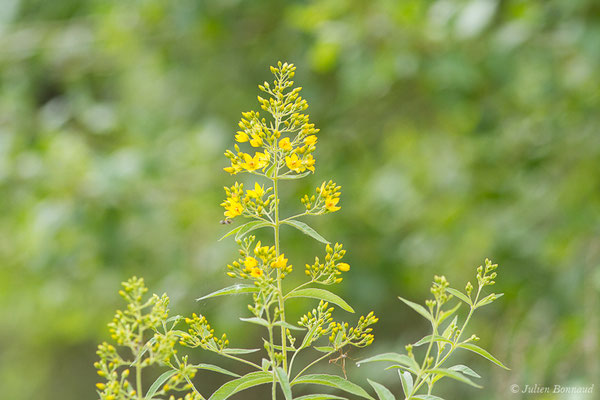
x,y
138,366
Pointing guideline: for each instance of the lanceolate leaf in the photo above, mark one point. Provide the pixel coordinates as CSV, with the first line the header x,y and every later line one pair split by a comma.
x,y
446,314
465,370
215,368
382,392
454,375
284,381
418,308
426,397
242,230
401,359
321,294
460,295
158,383
294,176
301,226
239,351
333,381
245,382
427,339
483,353
235,289
407,382
320,397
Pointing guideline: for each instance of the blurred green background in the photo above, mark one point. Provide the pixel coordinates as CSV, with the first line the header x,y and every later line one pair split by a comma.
x,y
458,130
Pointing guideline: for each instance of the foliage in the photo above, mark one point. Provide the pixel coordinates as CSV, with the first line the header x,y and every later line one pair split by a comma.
x,y
460,129
446,339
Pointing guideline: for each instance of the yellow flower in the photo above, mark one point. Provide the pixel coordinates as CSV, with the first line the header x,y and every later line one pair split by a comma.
x,y
253,163
256,272
234,169
294,163
241,136
250,262
256,140
310,140
285,144
309,163
258,191
233,208
343,267
280,262
330,203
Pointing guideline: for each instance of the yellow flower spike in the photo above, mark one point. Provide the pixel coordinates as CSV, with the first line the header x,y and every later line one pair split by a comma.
x,y
310,140
256,140
258,191
241,137
250,262
294,163
285,144
281,262
331,204
344,267
256,272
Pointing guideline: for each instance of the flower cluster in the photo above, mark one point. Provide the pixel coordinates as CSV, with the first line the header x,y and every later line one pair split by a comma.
x,y
325,201
328,272
486,278
359,336
202,335
257,262
130,329
438,289
317,322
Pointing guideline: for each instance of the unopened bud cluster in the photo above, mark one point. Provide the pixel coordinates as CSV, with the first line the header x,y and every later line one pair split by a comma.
x,y
328,271
486,277
359,336
202,335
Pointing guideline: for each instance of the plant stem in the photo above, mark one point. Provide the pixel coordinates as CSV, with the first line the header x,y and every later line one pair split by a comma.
x,y
138,366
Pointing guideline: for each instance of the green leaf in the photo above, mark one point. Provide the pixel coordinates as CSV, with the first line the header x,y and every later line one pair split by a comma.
x,y
241,230
215,368
294,176
237,385
301,226
446,314
418,308
239,351
235,289
427,339
324,349
465,370
158,383
289,326
401,359
382,392
483,353
320,397
321,294
489,299
407,382
284,381
426,397
333,381
249,227
454,375
460,295
256,320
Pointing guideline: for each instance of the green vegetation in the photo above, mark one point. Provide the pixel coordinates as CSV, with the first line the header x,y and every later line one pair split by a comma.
x,y
459,129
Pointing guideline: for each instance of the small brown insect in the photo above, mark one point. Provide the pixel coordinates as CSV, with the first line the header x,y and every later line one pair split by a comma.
x,y
341,361
226,221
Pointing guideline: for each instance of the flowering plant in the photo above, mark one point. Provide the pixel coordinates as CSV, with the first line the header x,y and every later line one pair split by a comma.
x,y
278,148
